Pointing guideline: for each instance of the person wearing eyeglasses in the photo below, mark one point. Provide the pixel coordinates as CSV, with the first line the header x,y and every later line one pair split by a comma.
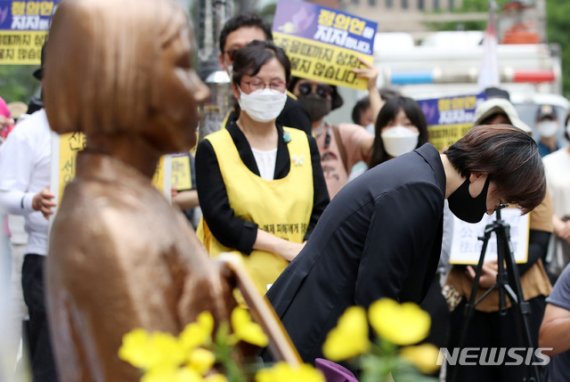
x,y
340,146
239,31
260,185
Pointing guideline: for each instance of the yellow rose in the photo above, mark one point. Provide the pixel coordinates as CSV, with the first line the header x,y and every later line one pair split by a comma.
x,y
246,330
198,333
401,324
349,338
423,357
282,372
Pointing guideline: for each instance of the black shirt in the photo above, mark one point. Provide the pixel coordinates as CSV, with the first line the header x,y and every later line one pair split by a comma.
x,y
229,229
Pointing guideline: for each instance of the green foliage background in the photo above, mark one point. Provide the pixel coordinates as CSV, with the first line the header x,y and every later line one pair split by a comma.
x,y
17,82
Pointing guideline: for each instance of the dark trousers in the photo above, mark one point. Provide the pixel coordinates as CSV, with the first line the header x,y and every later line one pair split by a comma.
x,y
494,330
38,341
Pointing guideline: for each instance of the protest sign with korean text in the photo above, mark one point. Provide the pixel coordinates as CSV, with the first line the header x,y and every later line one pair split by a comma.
x,y
64,149
23,29
449,118
324,44
466,247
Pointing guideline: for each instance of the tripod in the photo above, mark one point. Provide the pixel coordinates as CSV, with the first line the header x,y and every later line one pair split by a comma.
x,y
508,283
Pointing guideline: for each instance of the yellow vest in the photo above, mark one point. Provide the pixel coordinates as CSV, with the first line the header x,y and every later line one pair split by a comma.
x,y
281,207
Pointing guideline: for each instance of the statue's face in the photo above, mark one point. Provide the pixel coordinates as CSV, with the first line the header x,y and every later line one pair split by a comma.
x,y
177,92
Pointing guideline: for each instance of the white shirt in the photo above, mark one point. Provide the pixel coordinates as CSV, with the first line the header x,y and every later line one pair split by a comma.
x,y
25,169
557,168
265,162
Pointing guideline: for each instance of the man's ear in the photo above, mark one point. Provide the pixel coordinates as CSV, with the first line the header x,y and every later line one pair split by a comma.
x,y
235,90
473,176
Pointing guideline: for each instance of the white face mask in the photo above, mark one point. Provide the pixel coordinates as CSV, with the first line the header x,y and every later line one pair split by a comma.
x,y
399,140
370,128
262,105
547,128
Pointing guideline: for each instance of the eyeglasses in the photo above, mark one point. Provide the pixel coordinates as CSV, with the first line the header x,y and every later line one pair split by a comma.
x,y
258,84
322,91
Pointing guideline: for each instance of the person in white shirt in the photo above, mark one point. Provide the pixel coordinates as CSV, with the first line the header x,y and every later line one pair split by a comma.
x,y
25,167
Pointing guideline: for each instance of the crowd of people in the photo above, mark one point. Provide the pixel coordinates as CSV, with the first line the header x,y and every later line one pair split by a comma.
x,y
324,215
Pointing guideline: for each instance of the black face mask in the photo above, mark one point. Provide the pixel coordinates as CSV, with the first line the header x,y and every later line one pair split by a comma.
x,y
316,106
467,208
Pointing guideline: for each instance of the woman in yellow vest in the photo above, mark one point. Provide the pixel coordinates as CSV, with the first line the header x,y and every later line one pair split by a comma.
x,y
260,185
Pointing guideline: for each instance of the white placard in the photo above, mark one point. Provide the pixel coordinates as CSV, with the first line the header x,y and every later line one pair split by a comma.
x,y
466,247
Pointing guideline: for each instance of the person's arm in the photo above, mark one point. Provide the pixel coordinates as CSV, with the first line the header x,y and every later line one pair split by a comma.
x,y
16,166
273,244
561,228
537,248
228,229
186,200
370,73
357,143
391,250
555,328
320,193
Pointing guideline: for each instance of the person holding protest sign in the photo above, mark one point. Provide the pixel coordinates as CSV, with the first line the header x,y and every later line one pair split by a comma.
x,y
260,185
381,235
340,146
239,31
487,326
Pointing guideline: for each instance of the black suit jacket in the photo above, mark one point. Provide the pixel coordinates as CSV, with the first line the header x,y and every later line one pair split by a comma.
x,y
379,237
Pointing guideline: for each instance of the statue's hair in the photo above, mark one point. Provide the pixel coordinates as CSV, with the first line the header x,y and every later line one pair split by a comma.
x,y
101,62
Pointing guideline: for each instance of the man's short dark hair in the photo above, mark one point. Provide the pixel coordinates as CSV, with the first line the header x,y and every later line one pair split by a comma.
x,y
240,21
359,109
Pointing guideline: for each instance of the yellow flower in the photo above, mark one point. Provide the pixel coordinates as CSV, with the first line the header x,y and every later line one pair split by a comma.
x,y
423,357
135,349
283,372
247,330
198,333
201,360
401,324
148,351
349,338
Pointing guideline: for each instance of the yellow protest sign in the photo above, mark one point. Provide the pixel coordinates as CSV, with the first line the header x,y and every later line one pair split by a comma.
x,y
181,172
324,44
64,152
23,29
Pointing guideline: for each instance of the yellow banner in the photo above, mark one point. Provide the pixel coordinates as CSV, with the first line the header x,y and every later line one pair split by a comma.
x,y
69,146
322,62
443,136
181,173
21,47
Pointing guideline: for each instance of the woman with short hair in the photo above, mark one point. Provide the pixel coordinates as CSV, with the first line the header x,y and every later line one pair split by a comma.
x,y
260,185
